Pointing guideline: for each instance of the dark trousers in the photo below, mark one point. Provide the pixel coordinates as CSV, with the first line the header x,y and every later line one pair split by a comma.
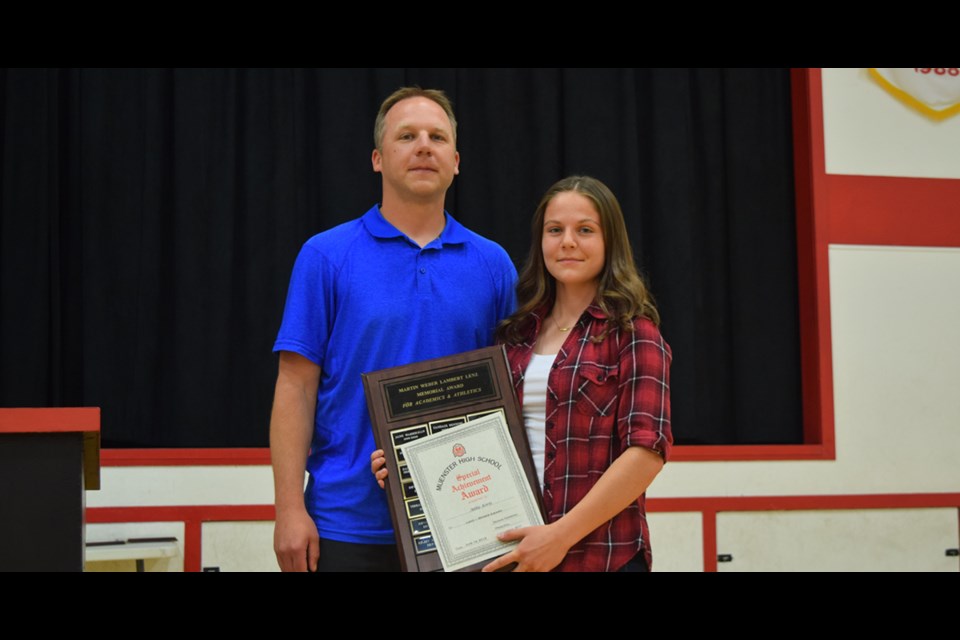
x,y
346,556
637,564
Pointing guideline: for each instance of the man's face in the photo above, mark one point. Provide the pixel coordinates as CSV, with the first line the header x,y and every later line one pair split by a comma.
x,y
417,157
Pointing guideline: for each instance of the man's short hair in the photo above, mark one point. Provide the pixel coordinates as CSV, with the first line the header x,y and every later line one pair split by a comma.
x,y
403,93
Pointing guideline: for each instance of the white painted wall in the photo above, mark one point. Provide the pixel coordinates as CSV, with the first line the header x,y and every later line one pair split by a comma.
x,y
856,540
161,486
677,541
896,315
238,546
870,133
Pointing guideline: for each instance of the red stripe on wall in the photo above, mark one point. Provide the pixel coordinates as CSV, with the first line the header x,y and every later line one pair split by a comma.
x,y
192,545
183,457
812,276
709,519
893,211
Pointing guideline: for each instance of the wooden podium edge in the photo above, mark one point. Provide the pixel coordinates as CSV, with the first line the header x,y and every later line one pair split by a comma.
x,y
83,420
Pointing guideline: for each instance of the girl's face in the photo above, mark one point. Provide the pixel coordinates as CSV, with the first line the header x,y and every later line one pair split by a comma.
x,y
572,242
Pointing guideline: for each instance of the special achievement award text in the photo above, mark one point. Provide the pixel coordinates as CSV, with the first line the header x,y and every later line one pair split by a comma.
x,y
472,486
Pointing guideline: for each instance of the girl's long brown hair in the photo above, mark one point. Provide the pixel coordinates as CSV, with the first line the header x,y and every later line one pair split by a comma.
x,y
621,293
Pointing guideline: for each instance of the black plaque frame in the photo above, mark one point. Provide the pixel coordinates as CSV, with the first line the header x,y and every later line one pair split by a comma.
x,y
418,399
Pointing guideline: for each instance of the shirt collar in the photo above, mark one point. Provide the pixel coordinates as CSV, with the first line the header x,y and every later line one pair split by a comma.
x,y
595,310
378,226
541,312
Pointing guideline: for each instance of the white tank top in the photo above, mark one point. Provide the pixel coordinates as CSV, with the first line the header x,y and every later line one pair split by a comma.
x,y
535,407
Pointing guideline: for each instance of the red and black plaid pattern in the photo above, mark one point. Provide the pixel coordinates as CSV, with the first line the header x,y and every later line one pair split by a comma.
x,y
602,397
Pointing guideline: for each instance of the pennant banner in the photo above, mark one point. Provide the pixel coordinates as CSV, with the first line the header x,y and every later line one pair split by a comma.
x,y
933,92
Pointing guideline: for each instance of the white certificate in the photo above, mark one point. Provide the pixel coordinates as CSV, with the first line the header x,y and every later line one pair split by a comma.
x,y
472,486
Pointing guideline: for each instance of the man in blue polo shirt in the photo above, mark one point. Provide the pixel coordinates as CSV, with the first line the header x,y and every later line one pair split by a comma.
x,y
404,282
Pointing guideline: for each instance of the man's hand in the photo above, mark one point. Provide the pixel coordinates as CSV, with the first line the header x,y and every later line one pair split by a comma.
x,y
296,542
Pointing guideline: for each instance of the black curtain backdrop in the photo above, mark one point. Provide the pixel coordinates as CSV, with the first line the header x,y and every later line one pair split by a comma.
x,y
151,217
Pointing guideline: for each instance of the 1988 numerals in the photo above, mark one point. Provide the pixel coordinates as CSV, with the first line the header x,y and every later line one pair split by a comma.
x,y
939,71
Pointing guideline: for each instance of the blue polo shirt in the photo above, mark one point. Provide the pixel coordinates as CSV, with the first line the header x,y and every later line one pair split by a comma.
x,y
363,297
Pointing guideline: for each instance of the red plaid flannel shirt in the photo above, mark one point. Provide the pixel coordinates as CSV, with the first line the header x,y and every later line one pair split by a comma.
x,y
601,398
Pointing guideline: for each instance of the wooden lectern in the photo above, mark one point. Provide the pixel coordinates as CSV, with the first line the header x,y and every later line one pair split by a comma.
x,y
48,458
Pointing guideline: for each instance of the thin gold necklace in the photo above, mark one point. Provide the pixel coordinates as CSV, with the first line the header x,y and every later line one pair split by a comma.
x,y
557,325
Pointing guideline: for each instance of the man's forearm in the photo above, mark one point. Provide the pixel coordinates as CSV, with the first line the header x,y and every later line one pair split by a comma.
x,y
291,428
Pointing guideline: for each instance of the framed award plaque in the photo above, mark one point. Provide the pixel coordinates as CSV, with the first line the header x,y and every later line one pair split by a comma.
x,y
460,465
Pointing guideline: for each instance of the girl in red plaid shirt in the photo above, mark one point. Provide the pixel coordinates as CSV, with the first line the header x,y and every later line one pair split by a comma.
x,y
593,375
